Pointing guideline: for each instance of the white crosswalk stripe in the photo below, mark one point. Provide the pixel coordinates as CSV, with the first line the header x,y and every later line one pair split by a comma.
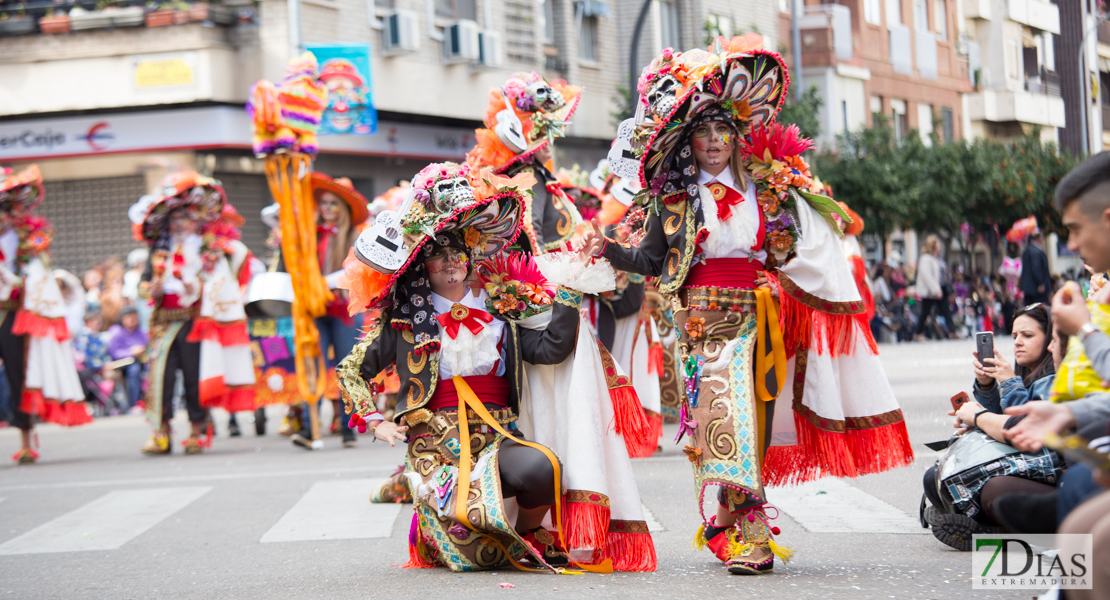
x,y
336,510
835,506
653,524
105,523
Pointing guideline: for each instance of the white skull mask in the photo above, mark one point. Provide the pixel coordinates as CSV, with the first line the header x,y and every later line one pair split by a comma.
x,y
547,98
661,97
452,194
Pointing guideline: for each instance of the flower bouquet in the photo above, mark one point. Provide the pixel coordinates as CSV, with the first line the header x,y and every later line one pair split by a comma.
x,y
517,290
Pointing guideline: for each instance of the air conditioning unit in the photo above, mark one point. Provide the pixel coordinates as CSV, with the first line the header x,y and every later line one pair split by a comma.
x,y
400,33
489,45
462,42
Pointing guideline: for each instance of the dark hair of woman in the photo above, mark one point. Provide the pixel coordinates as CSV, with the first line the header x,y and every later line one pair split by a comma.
x,y
1039,313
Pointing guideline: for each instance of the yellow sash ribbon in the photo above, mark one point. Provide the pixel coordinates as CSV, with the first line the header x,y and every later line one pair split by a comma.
x,y
467,397
774,357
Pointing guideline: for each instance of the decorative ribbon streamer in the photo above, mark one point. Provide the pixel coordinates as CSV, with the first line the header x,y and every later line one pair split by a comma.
x,y
473,318
467,397
773,358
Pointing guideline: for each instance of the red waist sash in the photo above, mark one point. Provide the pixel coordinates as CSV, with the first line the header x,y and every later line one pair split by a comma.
x,y
724,272
490,389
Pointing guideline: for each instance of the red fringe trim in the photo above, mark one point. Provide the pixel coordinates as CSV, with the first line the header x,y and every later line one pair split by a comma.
x,y
226,334
586,525
630,551
214,393
834,334
69,414
820,453
655,358
649,443
28,323
628,416
417,558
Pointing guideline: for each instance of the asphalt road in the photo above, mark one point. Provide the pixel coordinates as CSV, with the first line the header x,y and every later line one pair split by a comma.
x,y
258,518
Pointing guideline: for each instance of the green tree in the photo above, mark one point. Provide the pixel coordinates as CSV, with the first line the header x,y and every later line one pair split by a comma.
x,y
804,112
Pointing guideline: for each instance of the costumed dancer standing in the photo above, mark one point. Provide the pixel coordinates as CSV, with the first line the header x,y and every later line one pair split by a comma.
x,y
460,369
729,193
194,278
34,339
340,212
523,119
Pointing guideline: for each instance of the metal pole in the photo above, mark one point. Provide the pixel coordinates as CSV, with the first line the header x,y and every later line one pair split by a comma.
x,y
1084,87
796,48
293,10
633,74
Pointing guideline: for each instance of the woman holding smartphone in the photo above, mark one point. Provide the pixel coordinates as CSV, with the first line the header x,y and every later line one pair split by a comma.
x,y
998,385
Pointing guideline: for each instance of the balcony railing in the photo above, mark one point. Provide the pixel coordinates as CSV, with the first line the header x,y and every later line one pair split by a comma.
x,y
1047,83
832,17
79,15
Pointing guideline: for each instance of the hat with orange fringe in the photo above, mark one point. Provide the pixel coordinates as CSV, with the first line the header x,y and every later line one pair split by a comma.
x,y
22,188
203,197
524,115
475,211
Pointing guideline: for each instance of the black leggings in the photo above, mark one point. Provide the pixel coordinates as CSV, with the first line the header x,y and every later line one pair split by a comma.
x,y
183,355
526,474
12,350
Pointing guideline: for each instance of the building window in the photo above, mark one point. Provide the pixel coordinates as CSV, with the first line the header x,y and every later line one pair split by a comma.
x,y
457,9
1012,60
893,12
876,104
718,25
940,18
925,123
947,124
1049,54
587,39
898,118
547,13
668,24
384,4
872,11
920,15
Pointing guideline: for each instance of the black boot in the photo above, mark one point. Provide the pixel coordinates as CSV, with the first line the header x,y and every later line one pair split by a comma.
x,y
233,426
1026,513
955,530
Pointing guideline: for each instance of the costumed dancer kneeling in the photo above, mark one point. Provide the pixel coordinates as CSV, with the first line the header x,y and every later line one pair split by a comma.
x,y
193,278
729,193
460,369
34,339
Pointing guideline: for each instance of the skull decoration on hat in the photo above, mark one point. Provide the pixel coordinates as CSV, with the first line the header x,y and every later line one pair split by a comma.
x,y
523,119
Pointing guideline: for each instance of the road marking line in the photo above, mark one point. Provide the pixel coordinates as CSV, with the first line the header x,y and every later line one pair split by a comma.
x,y
386,469
105,523
834,506
652,523
336,510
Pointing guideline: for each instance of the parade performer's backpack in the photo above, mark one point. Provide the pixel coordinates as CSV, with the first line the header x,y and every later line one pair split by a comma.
x,y
973,458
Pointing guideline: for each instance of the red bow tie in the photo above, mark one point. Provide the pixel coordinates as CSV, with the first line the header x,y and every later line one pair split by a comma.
x,y
725,197
462,315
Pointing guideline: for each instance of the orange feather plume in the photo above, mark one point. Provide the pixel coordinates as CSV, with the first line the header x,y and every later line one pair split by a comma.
x,y
365,285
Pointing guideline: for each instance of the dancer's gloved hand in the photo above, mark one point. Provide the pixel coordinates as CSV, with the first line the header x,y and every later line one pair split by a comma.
x,y
761,281
388,431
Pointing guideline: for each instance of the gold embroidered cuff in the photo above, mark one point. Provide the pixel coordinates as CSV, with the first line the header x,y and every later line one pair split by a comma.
x,y
636,278
568,297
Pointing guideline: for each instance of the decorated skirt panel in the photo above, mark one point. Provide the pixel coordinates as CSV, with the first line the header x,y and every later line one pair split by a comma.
x,y
719,411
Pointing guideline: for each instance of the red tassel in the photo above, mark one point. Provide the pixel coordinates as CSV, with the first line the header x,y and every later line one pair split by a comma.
x,y
628,415
655,358
649,443
417,560
585,525
630,551
225,334
30,324
820,453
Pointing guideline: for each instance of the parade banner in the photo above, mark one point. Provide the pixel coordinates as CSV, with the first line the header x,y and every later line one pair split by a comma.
x,y
345,69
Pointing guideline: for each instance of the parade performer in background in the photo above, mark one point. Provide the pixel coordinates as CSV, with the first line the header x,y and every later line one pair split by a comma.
x,y
523,119
460,369
34,339
194,275
729,200
340,212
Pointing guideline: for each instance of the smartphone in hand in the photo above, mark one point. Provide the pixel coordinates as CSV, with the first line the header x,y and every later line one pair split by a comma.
x,y
959,400
984,345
